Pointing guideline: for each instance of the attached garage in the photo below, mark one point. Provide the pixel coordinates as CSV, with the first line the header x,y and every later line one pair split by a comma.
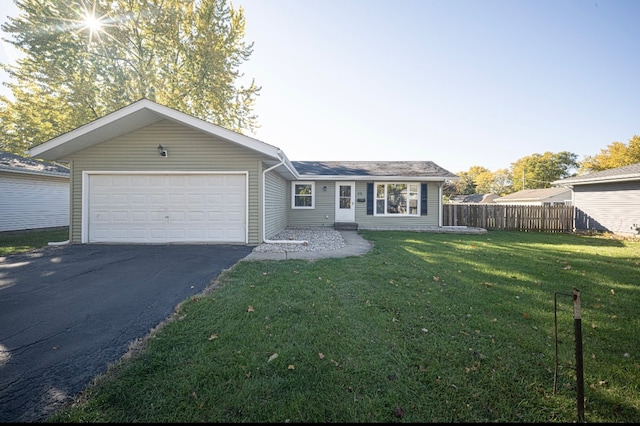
x,y
139,207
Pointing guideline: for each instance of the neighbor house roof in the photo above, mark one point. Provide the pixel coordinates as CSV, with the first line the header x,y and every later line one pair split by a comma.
x,y
17,164
372,169
619,174
474,198
533,194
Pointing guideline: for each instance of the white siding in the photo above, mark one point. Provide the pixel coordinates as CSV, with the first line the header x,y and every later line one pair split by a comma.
x,y
613,207
33,201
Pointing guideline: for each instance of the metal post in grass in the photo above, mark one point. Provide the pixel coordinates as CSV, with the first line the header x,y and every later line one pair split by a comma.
x,y
577,326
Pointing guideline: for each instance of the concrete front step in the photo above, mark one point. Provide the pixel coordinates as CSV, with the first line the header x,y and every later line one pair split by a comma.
x,y
345,226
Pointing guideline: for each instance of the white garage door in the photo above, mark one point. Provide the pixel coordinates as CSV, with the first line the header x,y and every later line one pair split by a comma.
x,y
156,208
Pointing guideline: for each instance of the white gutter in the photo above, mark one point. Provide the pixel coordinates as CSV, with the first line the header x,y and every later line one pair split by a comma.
x,y
264,208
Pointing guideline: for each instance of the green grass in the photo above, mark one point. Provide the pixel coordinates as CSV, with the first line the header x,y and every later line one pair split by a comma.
x,y
23,241
424,328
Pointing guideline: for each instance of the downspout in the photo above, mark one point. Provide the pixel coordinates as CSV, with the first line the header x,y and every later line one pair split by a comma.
x,y
264,208
440,203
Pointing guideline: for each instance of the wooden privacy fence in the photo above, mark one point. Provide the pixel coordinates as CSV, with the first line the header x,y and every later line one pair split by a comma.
x,y
509,217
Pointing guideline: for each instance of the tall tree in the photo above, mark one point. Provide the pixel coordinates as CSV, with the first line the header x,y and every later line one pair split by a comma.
x,y
615,155
539,170
498,182
83,59
467,183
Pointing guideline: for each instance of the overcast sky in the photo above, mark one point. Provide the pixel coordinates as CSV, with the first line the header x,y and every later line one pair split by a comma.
x,y
459,82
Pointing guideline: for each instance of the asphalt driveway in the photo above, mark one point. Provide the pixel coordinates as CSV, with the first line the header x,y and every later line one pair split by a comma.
x,y
67,312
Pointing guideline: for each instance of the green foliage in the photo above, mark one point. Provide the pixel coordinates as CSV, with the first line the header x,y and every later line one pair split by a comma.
x,y
467,183
539,170
498,182
615,155
423,328
182,54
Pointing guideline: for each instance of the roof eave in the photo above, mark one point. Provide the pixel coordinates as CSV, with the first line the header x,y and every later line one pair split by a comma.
x,y
34,172
586,181
377,177
132,117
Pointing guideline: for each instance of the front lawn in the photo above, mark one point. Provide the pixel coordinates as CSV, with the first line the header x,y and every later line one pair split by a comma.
x,y
23,241
424,328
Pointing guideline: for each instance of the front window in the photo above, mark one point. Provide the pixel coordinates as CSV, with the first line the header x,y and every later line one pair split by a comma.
x,y
303,195
397,199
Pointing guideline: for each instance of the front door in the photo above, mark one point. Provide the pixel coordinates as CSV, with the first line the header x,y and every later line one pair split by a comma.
x,y
345,202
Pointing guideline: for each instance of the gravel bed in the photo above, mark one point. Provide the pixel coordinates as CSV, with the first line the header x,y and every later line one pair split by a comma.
x,y
318,239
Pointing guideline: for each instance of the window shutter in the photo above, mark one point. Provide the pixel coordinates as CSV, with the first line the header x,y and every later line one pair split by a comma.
x,y
370,198
423,199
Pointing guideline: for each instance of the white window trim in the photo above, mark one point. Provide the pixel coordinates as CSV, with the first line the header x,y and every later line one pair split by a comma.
x,y
375,200
293,194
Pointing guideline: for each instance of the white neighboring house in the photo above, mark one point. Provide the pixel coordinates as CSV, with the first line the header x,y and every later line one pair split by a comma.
x,y
33,194
557,196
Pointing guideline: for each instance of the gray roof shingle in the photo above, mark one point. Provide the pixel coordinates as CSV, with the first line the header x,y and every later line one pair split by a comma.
x,y
534,194
16,163
630,172
373,168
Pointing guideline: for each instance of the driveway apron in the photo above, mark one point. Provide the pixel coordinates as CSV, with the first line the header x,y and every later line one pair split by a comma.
x,y
67,312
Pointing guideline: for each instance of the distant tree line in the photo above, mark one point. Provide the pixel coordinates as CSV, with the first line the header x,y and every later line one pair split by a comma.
x,y
537,171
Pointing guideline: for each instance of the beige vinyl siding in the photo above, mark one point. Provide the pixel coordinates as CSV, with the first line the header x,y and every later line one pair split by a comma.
x,y
188,150
325,206
370,221
33,201
324,212
275,203
612,207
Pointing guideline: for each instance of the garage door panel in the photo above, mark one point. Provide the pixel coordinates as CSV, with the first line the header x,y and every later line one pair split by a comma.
x,y
197,216
119,199
157,199
167,208
120,217
140,217
138,199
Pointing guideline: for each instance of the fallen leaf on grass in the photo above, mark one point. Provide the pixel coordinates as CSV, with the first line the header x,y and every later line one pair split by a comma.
x,y
291,367
567,267
320,355
250,309
213,336
436,278
272,357
525,315
398,412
